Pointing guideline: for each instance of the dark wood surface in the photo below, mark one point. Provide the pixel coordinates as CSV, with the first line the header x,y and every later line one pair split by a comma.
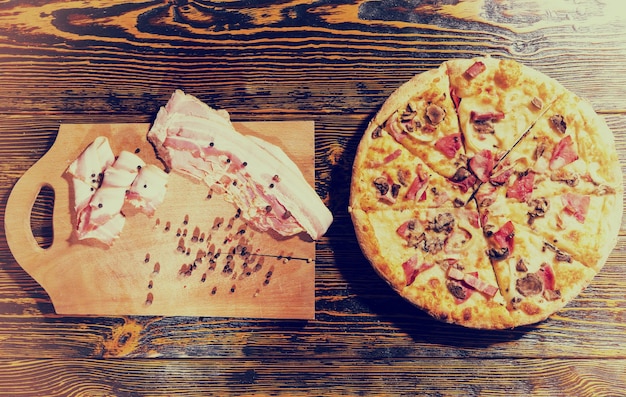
x,y
333,63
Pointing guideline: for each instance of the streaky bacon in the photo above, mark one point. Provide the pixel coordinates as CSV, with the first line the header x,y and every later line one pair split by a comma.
x,y
392,128
547,274
215,151
479,285
455,273
456,100
501,177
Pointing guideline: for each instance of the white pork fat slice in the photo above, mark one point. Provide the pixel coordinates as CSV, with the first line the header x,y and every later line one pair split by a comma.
x,y
103,184
148,189
106,204
258,177
87,171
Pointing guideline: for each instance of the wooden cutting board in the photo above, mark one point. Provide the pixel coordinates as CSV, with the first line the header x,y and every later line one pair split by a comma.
x,y
194,257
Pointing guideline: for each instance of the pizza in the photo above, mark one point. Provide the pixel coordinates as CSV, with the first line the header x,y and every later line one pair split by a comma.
x,y
486,193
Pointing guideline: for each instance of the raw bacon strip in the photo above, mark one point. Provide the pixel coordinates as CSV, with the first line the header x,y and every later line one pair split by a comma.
x,y
108,232
256,176
89,166
102,184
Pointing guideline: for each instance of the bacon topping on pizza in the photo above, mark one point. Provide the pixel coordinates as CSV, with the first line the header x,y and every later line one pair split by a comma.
x,y
412,268
564,153
504,242
541,282
486,116
522,187
511,156
462,282
449,145
576,205
501,177
482,165
477,68
463,179
417,190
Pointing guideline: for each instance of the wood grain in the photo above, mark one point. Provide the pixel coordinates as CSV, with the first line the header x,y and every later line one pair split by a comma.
x,y
333,63
290,377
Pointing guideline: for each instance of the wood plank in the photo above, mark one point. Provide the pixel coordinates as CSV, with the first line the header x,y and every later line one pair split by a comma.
x,y
103,61
459,377
119,60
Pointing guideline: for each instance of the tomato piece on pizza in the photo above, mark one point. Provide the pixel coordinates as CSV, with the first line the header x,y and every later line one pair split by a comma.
x,y
421,116
497,101
535,278
435,258
386,175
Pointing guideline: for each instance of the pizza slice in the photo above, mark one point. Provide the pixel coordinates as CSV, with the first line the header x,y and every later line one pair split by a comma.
x,y
535,278
435,258
497,100
387,175
421,116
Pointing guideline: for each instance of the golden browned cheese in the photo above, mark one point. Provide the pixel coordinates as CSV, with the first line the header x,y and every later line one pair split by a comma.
x,y
458,231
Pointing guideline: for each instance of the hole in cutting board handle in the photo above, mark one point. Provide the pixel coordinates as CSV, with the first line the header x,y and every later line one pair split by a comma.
x,y
41,223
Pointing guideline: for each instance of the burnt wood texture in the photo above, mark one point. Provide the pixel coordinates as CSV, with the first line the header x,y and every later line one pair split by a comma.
x,y
332,62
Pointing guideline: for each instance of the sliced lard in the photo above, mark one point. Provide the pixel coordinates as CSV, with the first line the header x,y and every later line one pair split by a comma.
x,y
148,189
256,176
103,184
87,172
109,199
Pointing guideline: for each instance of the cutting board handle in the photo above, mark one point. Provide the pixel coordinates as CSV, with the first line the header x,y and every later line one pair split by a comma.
x,y
17,218
22,242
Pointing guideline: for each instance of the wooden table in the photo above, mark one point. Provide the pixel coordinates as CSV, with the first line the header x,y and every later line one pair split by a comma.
x,y
333,63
